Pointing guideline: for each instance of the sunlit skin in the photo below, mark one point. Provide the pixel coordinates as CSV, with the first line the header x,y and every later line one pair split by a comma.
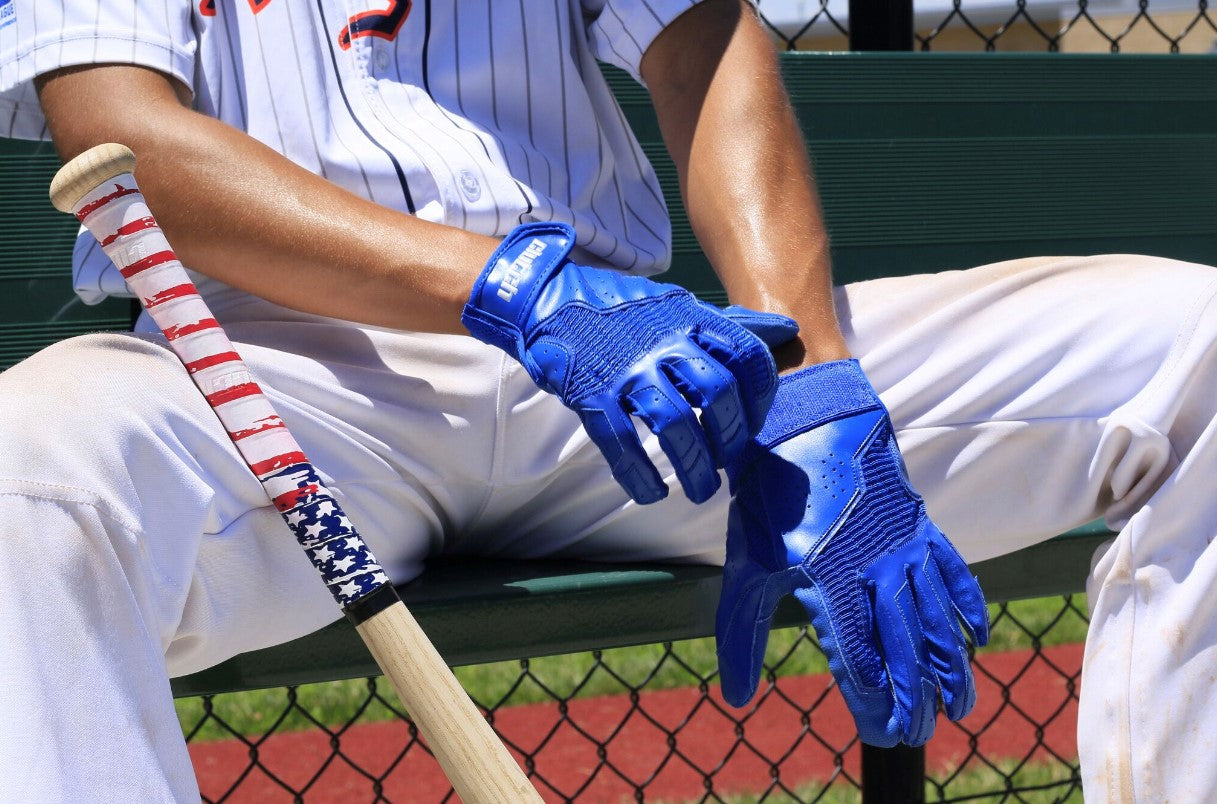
x,y
744,174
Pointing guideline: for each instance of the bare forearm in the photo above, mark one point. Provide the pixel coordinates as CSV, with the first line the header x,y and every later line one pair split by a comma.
x,y
745,178
240,212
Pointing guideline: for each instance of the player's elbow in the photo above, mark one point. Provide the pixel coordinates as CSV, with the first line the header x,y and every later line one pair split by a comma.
x,y
91,104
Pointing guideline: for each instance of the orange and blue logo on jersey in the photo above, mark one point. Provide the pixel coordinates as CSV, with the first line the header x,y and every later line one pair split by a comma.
x,y
8,13
382,23
208,7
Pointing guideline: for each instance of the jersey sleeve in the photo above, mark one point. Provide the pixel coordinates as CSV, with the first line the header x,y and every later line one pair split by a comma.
x,y
620,31
37,36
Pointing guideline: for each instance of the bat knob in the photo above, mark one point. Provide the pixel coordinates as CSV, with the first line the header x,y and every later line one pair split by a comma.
x,y
83,174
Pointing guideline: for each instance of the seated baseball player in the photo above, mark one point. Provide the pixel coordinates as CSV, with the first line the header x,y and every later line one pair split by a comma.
x,y
431,234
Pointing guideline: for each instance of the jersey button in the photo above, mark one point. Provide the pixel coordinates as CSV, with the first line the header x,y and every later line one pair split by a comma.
x,y
470,186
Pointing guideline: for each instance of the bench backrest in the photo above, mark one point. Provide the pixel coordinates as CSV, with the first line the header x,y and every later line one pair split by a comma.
x,y
37,305
934,161
925,162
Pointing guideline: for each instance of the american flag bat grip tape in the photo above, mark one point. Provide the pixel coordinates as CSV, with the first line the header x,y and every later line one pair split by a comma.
x,y
99,188
104,197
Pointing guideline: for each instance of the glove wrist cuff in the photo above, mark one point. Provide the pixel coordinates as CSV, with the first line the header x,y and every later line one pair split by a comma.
x,y
507,289
815,395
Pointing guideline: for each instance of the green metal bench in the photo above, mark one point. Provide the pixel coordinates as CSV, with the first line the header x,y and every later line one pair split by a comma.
x,y
925,162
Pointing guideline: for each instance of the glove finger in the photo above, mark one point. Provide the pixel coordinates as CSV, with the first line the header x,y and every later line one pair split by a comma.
x,y
613,432
964,590
904,654
947,649
668,415
775,330
857,666
746,605
709,386
751,365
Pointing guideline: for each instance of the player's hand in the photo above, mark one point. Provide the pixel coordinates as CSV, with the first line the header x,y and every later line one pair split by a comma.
x,y
822,509
612,346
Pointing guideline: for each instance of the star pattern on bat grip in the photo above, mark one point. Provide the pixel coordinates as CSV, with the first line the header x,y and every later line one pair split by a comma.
x,y
337,551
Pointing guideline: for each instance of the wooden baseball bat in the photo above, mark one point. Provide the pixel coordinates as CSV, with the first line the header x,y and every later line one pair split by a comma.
x,y
99,188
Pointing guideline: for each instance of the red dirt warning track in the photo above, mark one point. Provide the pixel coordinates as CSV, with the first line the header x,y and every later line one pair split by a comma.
x,y
643,746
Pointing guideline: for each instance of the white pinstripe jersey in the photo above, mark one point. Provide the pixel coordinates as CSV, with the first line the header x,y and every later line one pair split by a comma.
x,y
480,113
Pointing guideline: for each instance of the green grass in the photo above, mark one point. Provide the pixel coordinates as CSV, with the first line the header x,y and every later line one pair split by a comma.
x,y
1054,779
973,785
1022,624
1040,622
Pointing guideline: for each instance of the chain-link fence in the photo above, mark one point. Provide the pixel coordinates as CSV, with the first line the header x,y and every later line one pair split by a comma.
x,y
1128,26
649,724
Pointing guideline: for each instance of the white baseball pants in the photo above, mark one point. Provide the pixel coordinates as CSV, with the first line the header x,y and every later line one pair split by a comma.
x,y
1029,397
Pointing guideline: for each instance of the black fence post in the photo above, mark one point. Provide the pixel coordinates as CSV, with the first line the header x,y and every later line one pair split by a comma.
x,y
880,24
889,775
893,775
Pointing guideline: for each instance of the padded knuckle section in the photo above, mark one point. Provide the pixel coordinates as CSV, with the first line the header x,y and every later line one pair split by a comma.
x,y
605,345
698,368
655,407
664,416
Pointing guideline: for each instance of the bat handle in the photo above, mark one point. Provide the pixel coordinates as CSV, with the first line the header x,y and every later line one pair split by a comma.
x,y
99,189
476,762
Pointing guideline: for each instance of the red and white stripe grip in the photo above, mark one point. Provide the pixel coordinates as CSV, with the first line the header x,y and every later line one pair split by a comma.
x,y
117,216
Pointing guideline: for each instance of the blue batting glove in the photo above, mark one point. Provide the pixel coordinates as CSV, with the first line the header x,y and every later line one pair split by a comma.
x,y
612,346
822,509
